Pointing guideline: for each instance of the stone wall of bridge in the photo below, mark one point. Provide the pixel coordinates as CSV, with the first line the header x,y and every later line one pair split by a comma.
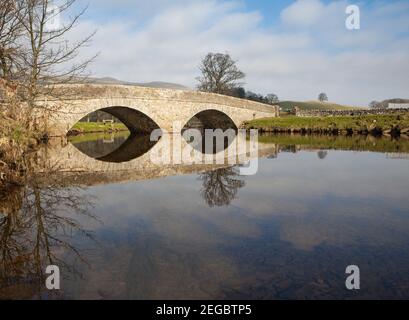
x,y
165,107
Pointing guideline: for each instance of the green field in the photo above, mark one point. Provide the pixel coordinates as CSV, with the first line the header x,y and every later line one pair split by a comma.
x,y
97,136
91,127
357,124
312,105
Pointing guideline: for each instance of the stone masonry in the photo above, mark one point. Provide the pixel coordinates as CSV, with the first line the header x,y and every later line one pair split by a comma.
x,y
137,106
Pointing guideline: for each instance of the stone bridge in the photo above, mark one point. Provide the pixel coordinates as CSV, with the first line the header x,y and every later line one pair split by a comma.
x,y
143,109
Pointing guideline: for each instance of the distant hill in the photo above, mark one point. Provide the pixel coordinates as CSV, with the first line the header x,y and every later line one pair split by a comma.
x,y
312,105
155,84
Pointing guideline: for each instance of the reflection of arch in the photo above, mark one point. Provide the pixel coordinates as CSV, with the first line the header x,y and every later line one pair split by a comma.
x,y
96,147
136,121
123,149
211,119
134,147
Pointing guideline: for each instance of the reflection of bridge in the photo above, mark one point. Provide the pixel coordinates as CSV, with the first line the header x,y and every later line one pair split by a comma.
x,y
66,159
144,109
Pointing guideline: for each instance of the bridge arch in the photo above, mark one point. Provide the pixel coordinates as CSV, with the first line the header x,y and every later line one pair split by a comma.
x,y
211,119
135,120
135,116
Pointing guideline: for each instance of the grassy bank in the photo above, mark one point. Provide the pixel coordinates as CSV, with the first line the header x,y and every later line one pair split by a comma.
x,y
13,131
97,136
371,124
94,127
16,144
354,143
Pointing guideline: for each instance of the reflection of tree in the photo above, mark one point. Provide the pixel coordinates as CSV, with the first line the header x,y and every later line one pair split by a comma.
x,y
36,231
220,187
322,154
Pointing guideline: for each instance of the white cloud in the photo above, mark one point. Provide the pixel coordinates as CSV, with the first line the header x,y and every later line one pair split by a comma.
x,y
307,52
303,13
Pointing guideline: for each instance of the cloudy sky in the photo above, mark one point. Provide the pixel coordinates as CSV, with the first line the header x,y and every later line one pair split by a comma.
x,y
295,49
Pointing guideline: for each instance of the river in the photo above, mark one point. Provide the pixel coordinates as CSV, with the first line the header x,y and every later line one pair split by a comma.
x,y
315,206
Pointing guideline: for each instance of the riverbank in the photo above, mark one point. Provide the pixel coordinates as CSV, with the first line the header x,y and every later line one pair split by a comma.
x,y
16,142
96,127
338,142
370,124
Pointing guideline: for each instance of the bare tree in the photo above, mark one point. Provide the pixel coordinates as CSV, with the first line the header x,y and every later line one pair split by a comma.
x,y
272,98
322,97
51,59
11,32
39,52
374,104
220,74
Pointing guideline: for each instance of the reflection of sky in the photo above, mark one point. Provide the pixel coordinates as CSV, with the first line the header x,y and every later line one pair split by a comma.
x,y
318,214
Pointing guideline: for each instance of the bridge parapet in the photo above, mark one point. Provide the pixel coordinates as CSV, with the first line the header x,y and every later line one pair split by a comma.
x,y
95,91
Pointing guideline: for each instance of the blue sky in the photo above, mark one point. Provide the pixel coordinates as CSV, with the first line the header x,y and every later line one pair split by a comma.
x,y
294,48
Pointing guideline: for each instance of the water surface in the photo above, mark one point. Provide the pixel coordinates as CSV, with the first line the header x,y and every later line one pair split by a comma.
x,y
316,205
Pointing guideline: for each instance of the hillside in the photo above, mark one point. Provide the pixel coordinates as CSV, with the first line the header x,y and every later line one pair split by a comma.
x,y
155,84
312,105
